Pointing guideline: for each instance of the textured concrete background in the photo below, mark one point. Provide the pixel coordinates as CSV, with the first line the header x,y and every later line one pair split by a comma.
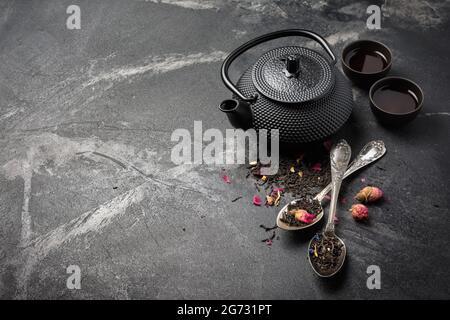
x,y
85,172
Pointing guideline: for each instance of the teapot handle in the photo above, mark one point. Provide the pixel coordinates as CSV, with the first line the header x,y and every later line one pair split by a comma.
x,y
267,37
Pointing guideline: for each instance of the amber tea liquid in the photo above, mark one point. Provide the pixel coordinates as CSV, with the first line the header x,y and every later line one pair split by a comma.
x,y
395,99
366,61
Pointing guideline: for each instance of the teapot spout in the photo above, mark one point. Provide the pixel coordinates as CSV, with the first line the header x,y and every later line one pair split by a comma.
x,y
239,113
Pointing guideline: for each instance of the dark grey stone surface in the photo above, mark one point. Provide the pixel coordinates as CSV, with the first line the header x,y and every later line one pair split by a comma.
x,y
86,178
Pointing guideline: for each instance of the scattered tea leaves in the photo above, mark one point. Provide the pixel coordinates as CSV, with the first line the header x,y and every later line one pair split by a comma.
x,y
236,199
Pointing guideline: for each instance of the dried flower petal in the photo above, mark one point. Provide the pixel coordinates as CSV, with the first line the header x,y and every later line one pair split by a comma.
x,y
316,167
300,173
270,200
269,242
253,163
277,200
264,178
359,212
226,178
276,190
292,169
257,200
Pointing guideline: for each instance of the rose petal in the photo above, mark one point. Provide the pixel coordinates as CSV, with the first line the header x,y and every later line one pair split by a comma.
x,y
307,218
316,167
270,200
226,178
257,200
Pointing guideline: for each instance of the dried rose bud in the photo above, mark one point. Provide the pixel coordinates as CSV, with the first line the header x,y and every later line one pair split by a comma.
x,y
369,194
308,218
299,213
359,212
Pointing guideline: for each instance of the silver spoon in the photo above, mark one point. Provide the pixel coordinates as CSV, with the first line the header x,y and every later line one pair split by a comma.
x,y
371,152
324,245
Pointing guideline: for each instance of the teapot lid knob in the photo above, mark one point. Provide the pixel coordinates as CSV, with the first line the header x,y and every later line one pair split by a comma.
x,y
292,65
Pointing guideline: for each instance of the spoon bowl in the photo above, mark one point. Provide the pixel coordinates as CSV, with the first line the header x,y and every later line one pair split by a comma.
x,y
340,260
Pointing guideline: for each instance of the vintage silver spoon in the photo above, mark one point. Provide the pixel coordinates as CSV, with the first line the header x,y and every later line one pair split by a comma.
x,y
323,245
371,152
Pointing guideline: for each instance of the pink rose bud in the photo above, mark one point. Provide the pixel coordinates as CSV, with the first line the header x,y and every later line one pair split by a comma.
x,y
304,216
369,194
359,212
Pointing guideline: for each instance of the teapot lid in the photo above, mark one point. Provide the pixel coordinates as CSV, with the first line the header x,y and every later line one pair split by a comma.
x,y
292,75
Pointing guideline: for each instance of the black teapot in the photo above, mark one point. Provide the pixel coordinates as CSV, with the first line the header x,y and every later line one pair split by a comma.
x,y
293,89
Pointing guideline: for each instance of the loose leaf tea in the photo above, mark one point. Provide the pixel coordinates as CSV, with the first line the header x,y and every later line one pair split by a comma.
x,y
268,228
299,174
326,254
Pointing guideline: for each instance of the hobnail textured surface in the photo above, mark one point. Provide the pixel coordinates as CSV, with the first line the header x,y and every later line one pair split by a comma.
x,y
315,78
301,123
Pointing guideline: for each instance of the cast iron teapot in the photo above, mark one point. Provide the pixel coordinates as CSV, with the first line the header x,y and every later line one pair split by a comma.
x,y
293,89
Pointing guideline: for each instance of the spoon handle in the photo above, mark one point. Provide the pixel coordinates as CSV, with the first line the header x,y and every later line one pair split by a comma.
x,y
339,158
371,152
